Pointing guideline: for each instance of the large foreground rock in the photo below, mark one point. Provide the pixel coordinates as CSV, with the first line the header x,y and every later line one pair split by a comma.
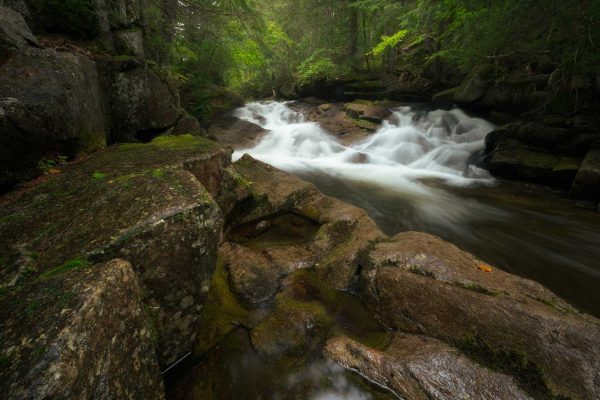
x,y
420,368
149,204
420,284
79,331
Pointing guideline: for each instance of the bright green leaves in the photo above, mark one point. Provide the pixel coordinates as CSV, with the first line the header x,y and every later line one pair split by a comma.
x,y
389,42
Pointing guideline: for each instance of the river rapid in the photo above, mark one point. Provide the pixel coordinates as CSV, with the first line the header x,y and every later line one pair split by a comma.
x,y
420,171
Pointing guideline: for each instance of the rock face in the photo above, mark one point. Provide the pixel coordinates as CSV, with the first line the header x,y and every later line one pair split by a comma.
x,y
22,143
416,367
77,100
61,89
78,333
14,31
144,203
142,106
422,285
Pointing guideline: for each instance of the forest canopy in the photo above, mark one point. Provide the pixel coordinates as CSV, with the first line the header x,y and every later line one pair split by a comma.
x,y
256,47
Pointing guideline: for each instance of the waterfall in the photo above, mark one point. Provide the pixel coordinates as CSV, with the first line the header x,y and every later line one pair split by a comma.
x,y
410,148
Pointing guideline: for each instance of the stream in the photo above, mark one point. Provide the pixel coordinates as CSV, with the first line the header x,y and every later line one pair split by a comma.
x,y
419,172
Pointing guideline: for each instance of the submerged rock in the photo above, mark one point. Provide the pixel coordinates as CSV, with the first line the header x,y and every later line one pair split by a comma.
x,y
416,367
144,203
78,332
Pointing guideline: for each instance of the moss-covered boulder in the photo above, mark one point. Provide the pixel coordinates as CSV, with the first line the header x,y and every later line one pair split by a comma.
x,y
149,204
420,284
78,331
421,368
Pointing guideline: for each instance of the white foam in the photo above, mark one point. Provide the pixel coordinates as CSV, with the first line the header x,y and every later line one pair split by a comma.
x,y
400,155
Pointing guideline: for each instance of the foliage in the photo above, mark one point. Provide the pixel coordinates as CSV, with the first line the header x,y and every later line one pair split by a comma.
x,y
389,42
316,67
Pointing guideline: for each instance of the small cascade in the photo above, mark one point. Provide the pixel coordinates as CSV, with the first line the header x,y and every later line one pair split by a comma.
x,y
409,148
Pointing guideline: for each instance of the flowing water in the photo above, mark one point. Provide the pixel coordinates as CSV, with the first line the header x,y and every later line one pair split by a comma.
x,y
419,172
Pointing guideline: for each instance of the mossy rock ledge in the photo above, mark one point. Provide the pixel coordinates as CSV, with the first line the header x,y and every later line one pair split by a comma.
x,y
149,204
303,273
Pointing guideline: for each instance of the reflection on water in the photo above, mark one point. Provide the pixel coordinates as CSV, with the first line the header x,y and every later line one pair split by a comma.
x,y
417,173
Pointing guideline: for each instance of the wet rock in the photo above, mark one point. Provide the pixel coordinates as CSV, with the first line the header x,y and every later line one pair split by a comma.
x,y
368,112
63,90
293,328
251,275
236,133
78,333
420,284
143,106
512,159
343,235
473,86
587,181
333,119
143,203
14,31
416,367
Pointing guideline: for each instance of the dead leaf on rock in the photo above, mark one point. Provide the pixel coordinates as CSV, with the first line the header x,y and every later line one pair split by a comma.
x,y
484,268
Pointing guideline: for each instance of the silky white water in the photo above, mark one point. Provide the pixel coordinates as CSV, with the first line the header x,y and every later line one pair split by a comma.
x,y
408,149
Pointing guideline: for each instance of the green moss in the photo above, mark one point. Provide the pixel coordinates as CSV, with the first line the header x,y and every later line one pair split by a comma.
x,y
152,324
158,173
528,374
12,218
534,159
415,269
182,142
475,287
221,313
567,164
4,361
98,175
76,263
